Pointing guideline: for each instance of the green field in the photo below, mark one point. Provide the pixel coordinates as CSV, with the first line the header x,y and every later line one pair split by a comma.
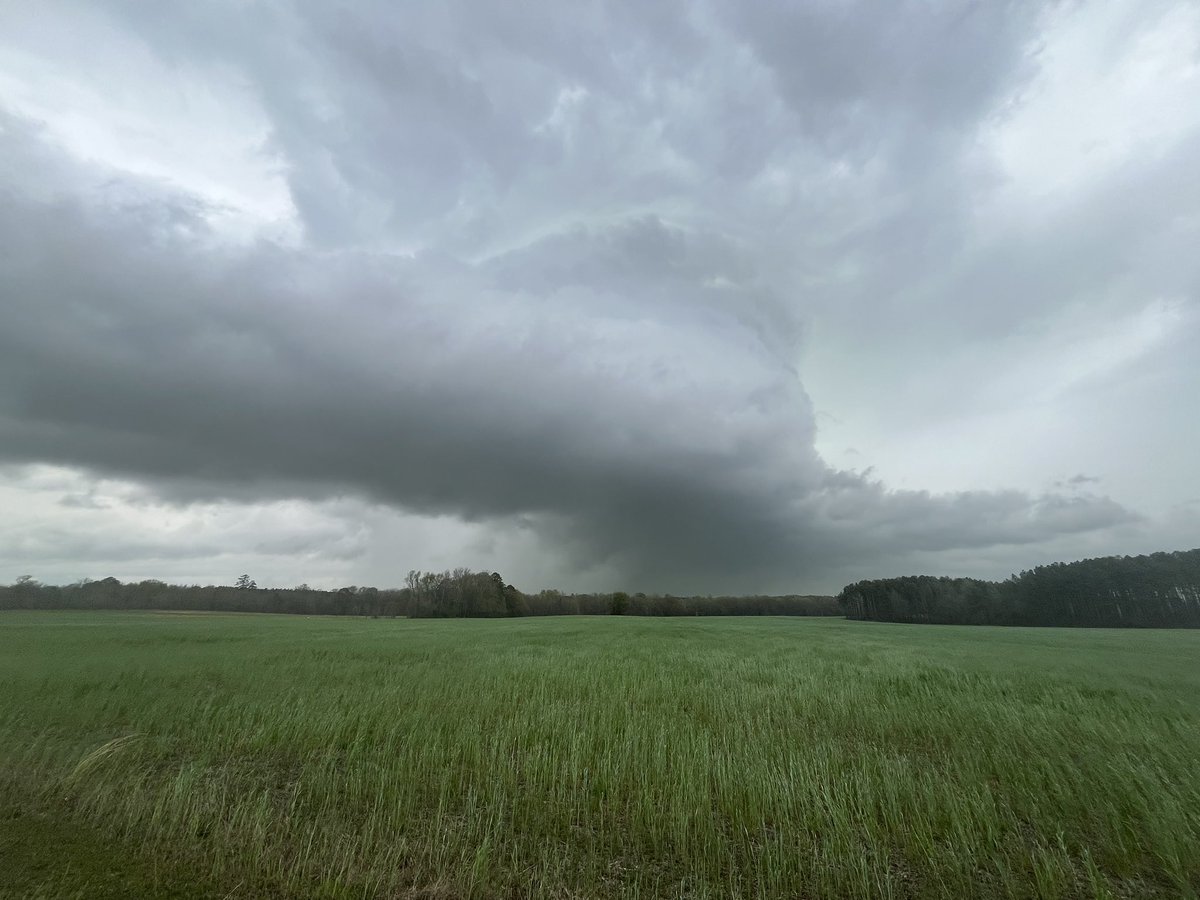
x,y
148,754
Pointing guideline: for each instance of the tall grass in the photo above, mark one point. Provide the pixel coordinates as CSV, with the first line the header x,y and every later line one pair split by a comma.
x,y
614,757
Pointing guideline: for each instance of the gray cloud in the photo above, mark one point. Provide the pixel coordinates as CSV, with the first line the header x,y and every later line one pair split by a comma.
x,y
565,283
869,81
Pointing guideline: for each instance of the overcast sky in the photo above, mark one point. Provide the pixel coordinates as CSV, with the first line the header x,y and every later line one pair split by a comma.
x,y
684,296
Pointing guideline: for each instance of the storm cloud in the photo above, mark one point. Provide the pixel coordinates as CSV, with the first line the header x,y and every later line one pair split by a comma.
x,y
658,296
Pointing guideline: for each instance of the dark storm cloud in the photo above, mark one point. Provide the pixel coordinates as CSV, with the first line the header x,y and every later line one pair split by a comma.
x,y
555,266
591,382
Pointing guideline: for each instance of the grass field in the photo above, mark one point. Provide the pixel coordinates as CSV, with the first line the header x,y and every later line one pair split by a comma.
x,y
192,756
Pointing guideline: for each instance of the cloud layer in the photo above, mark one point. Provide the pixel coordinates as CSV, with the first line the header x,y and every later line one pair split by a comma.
x,y
555,286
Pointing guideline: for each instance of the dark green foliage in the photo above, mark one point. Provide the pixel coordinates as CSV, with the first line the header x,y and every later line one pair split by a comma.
x,y
1161,590
620,603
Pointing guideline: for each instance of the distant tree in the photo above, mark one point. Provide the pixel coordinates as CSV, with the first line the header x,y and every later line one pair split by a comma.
x,y
515,603
25,592
246,583
1159,590
620,604
668,605
510,600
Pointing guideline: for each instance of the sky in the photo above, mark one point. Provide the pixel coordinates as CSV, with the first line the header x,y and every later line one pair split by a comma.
x,y
694,297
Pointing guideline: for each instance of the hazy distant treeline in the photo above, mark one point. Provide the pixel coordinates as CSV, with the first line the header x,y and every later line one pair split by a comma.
x,y
460,593
1159,590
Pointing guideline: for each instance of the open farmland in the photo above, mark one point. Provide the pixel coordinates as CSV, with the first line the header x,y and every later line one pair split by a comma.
x,y
196,755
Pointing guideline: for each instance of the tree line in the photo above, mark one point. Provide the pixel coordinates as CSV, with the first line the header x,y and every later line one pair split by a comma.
x,y
460,593
1161,590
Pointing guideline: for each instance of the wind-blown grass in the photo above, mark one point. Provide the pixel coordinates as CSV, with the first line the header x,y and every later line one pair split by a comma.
x,y
609,757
